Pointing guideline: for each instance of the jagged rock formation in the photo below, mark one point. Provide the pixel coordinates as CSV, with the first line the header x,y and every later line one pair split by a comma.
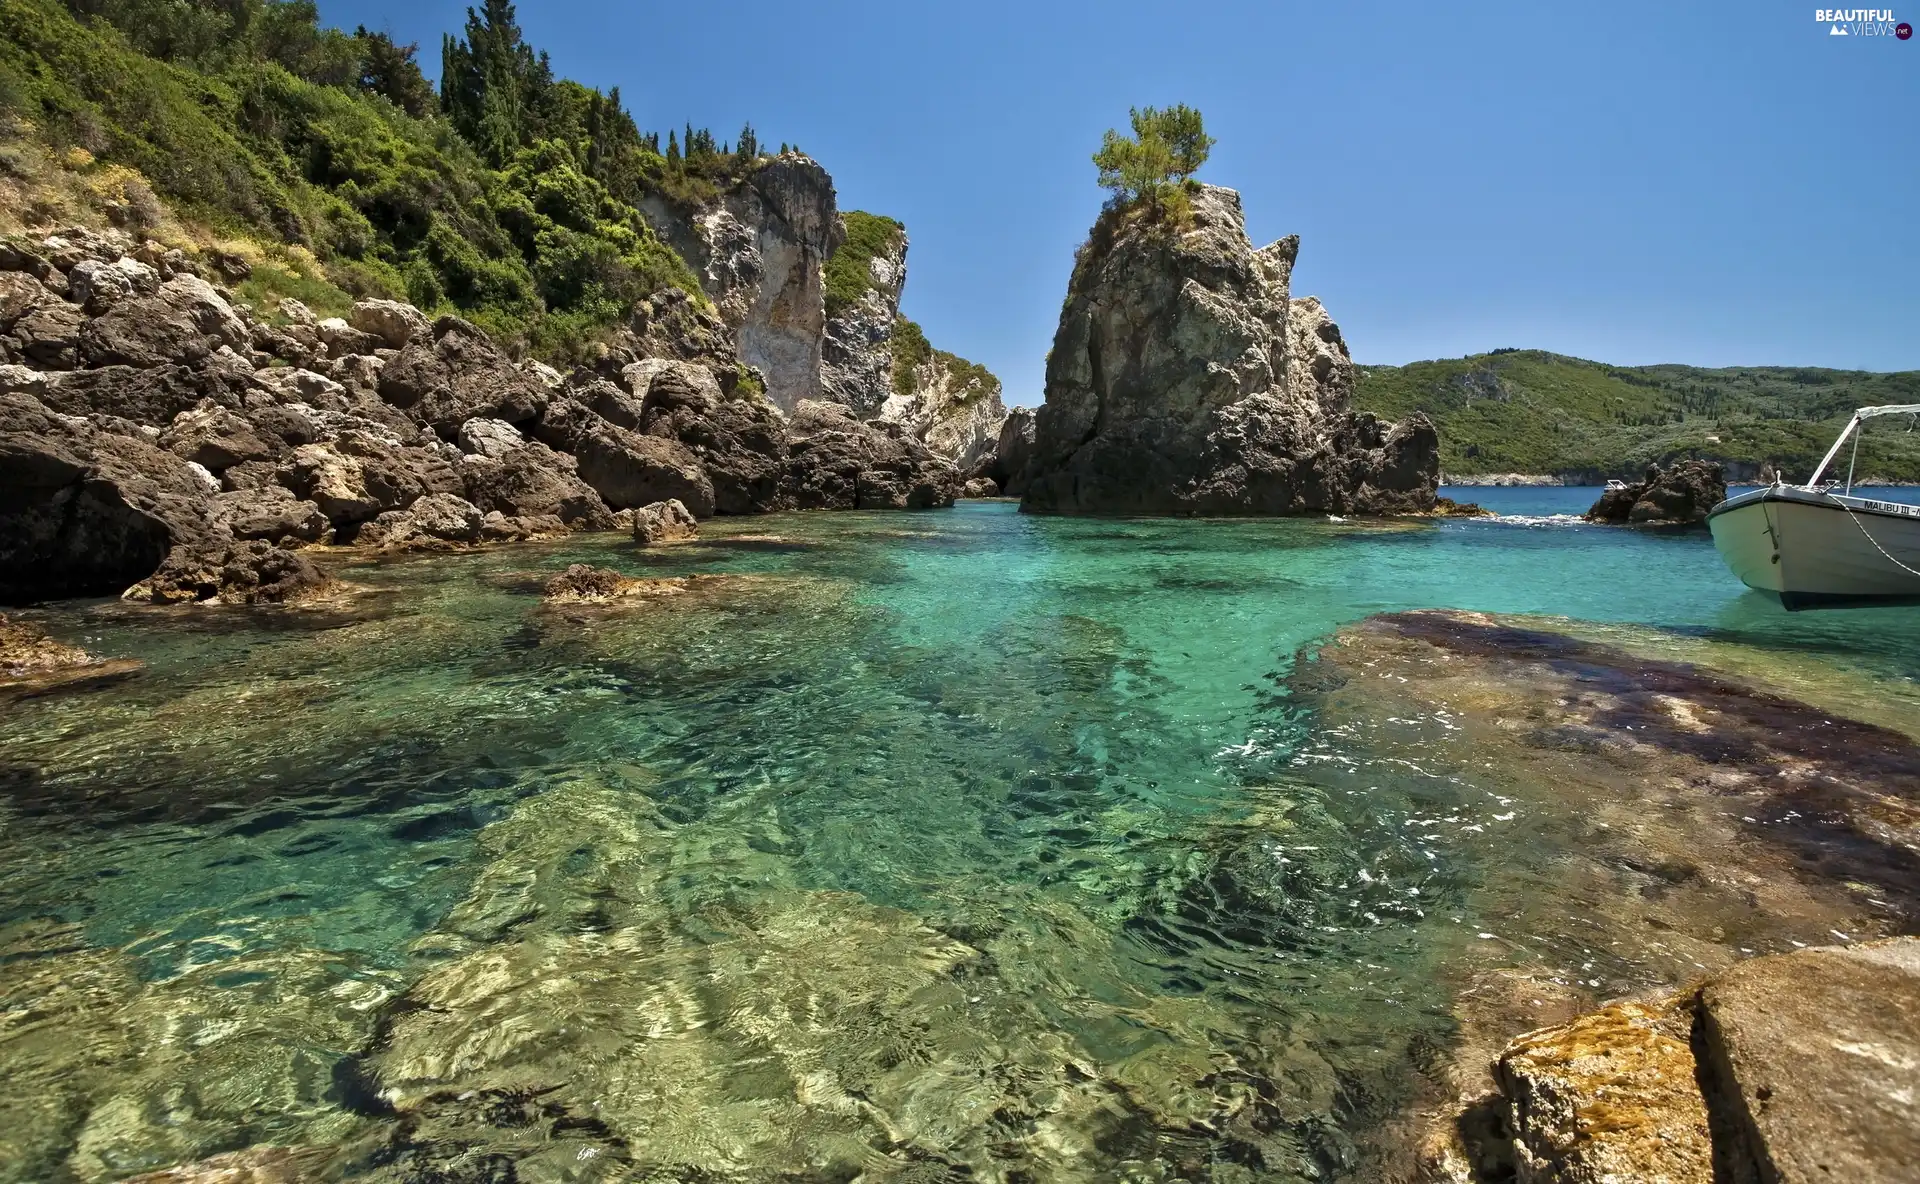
x,y
1184,379
1678,495
1006,464
858,355
880,365
956,409
759,251
154,438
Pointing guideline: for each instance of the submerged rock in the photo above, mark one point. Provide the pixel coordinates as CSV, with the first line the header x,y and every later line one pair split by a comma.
x,y
1184,379
31,662
1680,494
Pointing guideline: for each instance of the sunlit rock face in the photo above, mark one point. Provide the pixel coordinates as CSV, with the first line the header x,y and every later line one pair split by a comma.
x,y
759,250
1184,379
858,352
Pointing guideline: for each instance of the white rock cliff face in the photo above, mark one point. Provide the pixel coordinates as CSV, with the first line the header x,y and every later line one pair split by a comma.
x,y
958,417
858,352
759,251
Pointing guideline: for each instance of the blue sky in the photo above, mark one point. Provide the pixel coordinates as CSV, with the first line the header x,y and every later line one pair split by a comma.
x,y
1713,183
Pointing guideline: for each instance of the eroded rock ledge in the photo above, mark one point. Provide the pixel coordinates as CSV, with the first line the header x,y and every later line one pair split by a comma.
x,y
1185,379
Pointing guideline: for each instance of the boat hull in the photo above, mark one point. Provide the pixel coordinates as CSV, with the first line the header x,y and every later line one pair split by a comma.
x,y
1817,550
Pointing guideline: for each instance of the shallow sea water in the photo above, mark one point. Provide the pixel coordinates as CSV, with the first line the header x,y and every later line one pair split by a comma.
x,y
917,846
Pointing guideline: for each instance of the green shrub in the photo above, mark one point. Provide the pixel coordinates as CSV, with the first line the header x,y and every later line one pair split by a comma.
x,y
249,117
848,274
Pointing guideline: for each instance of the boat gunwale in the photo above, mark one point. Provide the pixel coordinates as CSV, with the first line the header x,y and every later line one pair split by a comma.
x,y
1819,499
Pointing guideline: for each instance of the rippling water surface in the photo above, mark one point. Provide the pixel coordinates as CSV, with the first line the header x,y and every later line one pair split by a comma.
x,y
918,846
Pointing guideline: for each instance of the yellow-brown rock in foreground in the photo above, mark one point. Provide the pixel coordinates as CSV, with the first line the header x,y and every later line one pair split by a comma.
x,y
583,583
1608,1097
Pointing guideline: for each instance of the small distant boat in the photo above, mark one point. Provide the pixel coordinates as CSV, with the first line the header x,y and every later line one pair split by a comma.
x,y
1615,485
1816,548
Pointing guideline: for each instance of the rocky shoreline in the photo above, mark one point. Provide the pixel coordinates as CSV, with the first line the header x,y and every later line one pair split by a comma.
x,y
159,440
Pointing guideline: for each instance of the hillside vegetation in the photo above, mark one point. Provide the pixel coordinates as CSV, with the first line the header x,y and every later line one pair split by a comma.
x,y
509,196
1529,411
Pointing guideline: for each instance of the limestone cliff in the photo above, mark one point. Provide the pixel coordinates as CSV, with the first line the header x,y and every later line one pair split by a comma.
x,y
865,279
880,365
1184,378
759,250
951,404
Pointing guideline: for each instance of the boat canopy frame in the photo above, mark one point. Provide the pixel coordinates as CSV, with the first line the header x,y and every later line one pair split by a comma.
x,y
1853,425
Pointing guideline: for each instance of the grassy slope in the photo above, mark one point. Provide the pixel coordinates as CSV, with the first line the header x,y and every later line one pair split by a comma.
x,y
387,204
1530,411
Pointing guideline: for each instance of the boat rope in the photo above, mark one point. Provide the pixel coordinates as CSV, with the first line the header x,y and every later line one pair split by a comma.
x,y
1874,541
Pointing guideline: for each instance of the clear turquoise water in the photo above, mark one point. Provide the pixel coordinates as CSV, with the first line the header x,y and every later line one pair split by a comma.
x,y
1054,742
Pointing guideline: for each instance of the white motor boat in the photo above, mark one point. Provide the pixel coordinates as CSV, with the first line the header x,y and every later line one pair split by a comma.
x,y
1819,546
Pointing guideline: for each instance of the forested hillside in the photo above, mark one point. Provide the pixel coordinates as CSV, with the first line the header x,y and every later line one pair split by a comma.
x,y
1529,411
509,196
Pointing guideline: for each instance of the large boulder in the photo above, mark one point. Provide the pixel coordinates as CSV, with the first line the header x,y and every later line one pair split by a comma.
x,y
741,440
86,512
270,513
492,438
533,481
1795,1068
437,521
394,323
664,522
216,439
253,572
360,474
183,321
98,286
1609,1096
151,395
626,468
457,375
837,462
1681,494
1813,1059
48,335
1185,379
